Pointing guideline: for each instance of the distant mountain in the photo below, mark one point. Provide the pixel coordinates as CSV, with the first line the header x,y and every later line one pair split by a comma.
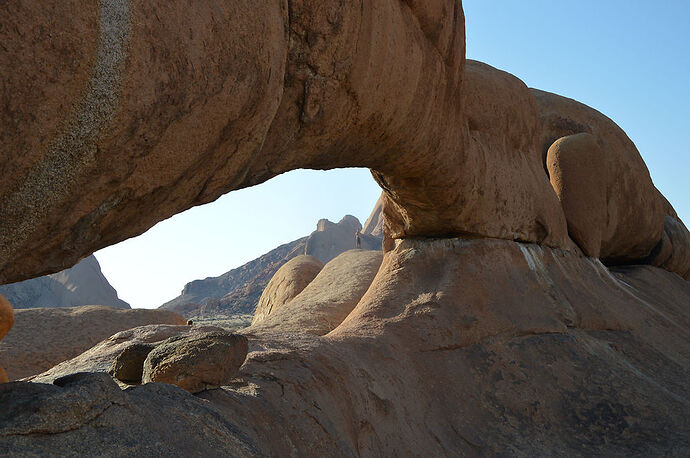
x,y
83,284
237,292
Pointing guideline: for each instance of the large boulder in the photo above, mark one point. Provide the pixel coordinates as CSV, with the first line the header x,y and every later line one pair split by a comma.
x,y
634,208
330,239
577,170
328,299
196,362
287,283
42,338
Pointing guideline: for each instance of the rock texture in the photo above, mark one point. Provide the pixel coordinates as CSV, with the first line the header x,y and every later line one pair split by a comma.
x,y
128,367
103,356
485,331
83,284
238,291
196,362
287,283
551,353
329,239
577,168
634,208
42,338
327,300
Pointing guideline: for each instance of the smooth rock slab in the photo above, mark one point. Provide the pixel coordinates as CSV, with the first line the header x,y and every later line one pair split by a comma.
x,y
198,362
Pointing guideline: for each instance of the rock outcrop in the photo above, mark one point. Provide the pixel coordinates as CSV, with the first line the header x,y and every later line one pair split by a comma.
x,y
577,169
83,284
239,291
330,239
486,330
196,362
550,353
44,337
287,283
327,300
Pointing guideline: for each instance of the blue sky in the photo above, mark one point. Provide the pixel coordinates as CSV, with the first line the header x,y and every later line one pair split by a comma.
x,y
628,59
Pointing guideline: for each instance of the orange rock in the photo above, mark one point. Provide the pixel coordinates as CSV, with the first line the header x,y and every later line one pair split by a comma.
x,y
577,169
6,316
286,283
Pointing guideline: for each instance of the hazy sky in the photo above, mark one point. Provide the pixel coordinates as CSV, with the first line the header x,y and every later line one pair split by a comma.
x,y
628,59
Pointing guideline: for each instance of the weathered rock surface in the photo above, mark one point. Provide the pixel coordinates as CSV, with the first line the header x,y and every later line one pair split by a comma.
x,y
327,300
103,355
551,354
634,209
287,283
577,169
374,224
474,346
42,338
330,239
239,290
196,362
83,284
128,366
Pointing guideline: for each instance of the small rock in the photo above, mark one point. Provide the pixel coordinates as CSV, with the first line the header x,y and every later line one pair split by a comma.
x,y
3,376
128,367
196,362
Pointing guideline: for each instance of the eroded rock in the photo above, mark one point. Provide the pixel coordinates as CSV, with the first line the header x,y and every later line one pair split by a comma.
x,y
287,283
128,367
577,169
45,337
328,299
196,362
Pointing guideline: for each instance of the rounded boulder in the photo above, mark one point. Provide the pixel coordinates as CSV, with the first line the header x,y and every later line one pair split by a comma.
x,y
196,362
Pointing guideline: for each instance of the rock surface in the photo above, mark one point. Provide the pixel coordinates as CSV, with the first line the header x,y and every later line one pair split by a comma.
x,y
634,208
239,290
481,345
128,366
196,362
577,169
83,284
327,300
42,338
287,283
551,354
329,239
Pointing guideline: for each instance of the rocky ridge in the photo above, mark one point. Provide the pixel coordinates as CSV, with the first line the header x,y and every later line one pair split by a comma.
x,y
238,291
83,284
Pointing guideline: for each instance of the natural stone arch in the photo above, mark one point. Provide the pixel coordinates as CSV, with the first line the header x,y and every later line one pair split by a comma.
x,y
163,107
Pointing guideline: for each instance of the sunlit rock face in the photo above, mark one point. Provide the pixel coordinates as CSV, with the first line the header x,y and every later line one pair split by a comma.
x,y
485,331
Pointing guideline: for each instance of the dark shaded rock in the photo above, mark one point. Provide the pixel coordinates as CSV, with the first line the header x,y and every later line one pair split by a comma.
x,y
128,367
